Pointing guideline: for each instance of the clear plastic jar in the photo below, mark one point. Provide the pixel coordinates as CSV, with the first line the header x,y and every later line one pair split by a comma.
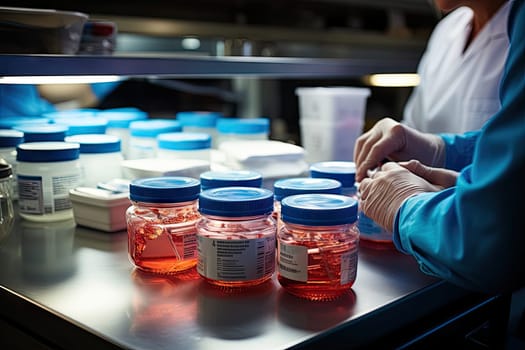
x,y
46,172
318,245
236,236
161,224
371,233
229,178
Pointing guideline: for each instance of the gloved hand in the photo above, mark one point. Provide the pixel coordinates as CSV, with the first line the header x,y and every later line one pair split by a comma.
x,y
443,178
394,141
384,192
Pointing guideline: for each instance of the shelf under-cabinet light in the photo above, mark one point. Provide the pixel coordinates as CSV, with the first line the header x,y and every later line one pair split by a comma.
x,y
60,79
392,80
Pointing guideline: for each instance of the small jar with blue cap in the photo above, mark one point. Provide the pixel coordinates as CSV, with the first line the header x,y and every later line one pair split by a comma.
x,y
235,129
344,171
46,172
201,122
236,237
143,136
318,245
100,157
119,120
229,178
161,223
184,145
301,185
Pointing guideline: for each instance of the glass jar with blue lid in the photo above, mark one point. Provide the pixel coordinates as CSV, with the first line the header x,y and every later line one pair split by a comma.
x,y
161,223
200,121
236,236
43,132
318,245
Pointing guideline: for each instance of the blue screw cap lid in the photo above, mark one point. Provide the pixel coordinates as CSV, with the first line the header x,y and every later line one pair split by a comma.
x,y
11,122
84,125
183,141
153,127
243,125
236,201
302,185
229,178
43,132
318,209
164,189
96,143
48,151
198,118
341,171
10,138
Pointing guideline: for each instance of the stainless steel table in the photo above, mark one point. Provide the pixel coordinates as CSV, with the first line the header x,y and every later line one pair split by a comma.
x,y
66,286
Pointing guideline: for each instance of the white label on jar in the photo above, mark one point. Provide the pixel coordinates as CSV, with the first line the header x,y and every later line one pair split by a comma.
x,y
348,266
293,261
235,259
45,195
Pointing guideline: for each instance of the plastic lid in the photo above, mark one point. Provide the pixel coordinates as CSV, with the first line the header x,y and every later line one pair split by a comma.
x,y
5,170
243,125
10,138
83,125
302,185
43,132
153,127
236,201
341,171
96,143
72,113
47,152
121,118
319,209
11,122
165,189
183,141
228,178
198,118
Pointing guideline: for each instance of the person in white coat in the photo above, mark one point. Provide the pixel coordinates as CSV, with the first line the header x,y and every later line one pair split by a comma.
x,y
461,68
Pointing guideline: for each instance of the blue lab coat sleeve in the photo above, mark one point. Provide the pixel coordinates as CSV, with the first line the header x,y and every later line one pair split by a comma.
x,y
472,234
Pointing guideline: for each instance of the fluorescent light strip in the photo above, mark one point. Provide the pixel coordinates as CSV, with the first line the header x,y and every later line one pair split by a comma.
x,y
393,80
60,79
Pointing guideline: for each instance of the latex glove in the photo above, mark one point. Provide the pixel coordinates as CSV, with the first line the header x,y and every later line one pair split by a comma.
x,y
443,178
384,192
389,139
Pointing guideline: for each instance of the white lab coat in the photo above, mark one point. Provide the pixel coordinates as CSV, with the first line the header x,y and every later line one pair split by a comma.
x,y
459,90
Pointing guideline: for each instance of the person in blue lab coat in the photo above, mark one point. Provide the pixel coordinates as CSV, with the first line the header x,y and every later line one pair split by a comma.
x,y
455,201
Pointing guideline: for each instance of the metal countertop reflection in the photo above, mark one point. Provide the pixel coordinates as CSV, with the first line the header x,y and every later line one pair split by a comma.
x,y
78,277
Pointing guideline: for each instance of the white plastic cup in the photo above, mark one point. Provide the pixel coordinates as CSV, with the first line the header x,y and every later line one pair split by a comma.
x,y
331,119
